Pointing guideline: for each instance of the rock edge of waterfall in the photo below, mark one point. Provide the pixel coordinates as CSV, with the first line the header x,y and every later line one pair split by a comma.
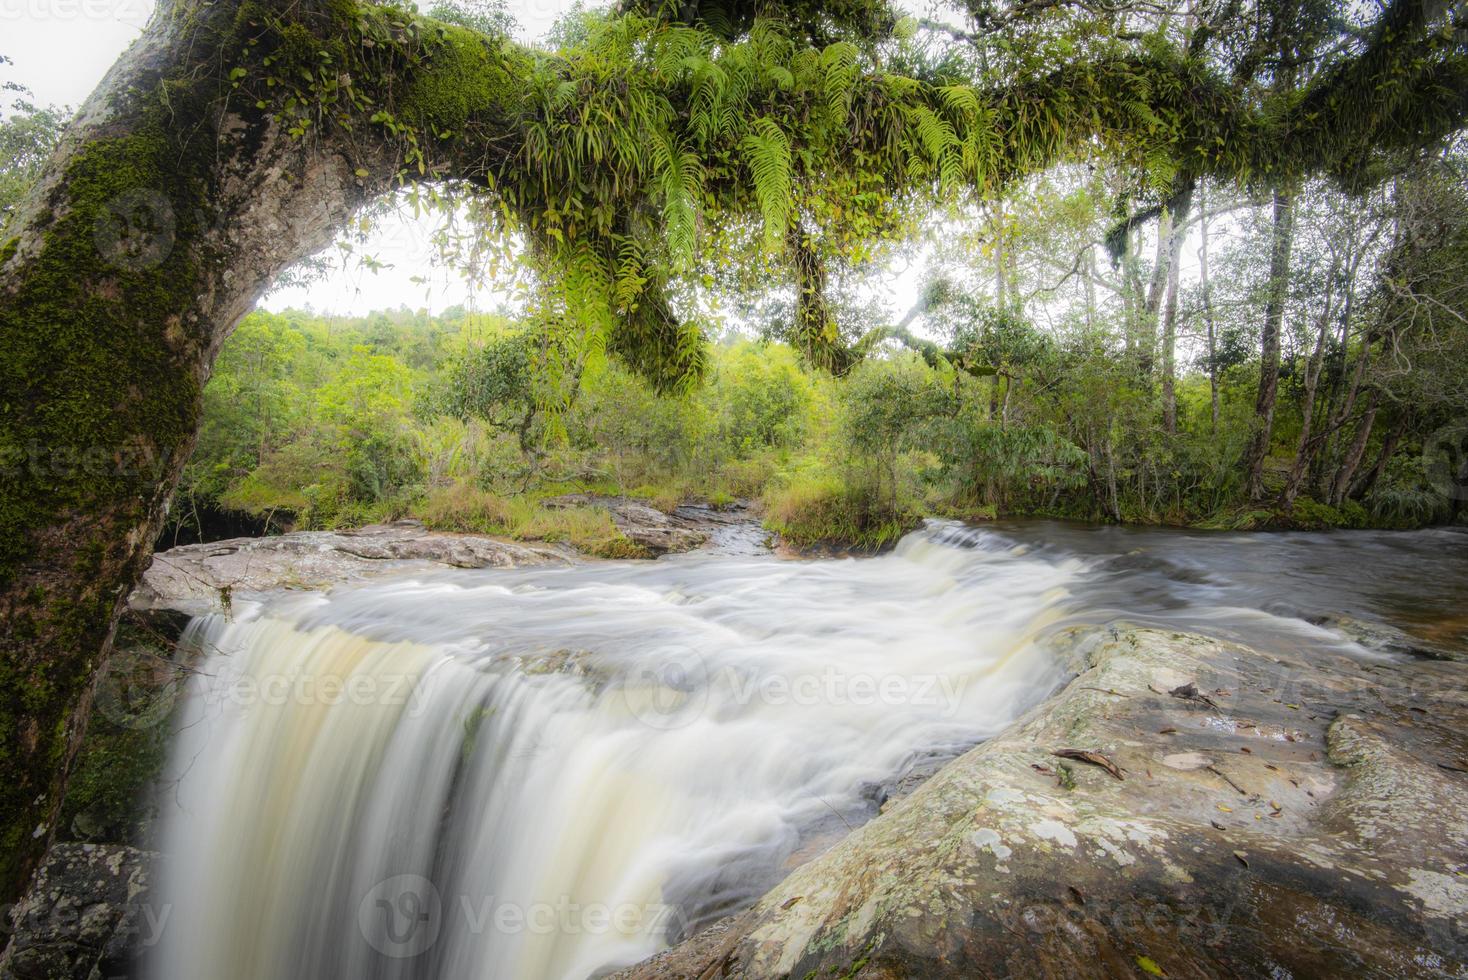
x,y
203,578
1272,817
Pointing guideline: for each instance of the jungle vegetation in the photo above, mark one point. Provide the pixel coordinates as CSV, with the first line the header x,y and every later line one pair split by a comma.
x,y
1038,385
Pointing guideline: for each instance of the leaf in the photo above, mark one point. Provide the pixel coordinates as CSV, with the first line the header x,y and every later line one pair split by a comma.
x,y
1094,758
767,154
1148,965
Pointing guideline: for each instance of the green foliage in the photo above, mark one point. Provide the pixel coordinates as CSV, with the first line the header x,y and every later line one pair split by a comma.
x,y
823,509
28,134
464,508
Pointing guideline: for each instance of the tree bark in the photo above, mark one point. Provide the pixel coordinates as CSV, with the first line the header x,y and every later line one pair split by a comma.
x,y
1209,320
173,201
1388,449
1347,471
1281,241
1309,442
1178,225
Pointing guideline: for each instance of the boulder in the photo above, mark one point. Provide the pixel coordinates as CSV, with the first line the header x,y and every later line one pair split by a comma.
x,y
202,578
1184,807
90,913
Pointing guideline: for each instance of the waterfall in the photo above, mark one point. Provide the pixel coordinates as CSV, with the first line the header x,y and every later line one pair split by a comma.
x,y
550,773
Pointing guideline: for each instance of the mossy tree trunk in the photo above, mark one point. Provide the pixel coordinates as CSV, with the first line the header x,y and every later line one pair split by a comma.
x,y
176,198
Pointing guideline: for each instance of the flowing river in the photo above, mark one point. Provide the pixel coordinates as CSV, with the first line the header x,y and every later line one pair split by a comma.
x,y
555,772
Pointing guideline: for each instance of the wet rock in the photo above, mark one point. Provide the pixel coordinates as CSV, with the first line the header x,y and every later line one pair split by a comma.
x,y
90,914
1309,822
649,528
1381,638
203,578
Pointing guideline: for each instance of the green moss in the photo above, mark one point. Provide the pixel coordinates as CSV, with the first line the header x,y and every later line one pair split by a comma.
x,y
1312,515
467,77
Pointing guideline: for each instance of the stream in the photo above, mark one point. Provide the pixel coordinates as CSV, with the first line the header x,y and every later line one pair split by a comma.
x,y
556,772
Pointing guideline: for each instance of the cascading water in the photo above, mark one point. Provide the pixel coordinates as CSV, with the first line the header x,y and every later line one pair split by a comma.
x,y
550,773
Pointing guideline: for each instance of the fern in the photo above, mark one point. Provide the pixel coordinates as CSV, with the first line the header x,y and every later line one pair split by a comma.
x,y
766,152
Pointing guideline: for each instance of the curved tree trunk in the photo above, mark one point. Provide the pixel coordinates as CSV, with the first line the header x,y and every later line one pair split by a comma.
x,y
173,202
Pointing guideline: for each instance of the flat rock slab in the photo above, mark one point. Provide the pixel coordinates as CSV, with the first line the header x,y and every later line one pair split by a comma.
x,y
1273,817
202,578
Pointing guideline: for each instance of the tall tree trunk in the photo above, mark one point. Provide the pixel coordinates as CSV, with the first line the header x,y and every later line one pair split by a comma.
x,y
1347,471
1342,413
1209,320
1178,227
1308,442
1281,240
1388,449
171,203
1151,300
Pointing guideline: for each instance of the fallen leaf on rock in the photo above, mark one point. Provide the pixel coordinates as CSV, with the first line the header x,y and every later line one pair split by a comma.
x,y
1217,825
1076,893
792,902
1094,758
1148,965
1243,858
1167,731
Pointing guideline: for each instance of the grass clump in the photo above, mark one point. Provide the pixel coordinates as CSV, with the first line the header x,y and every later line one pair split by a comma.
x,y
465,508
823,509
